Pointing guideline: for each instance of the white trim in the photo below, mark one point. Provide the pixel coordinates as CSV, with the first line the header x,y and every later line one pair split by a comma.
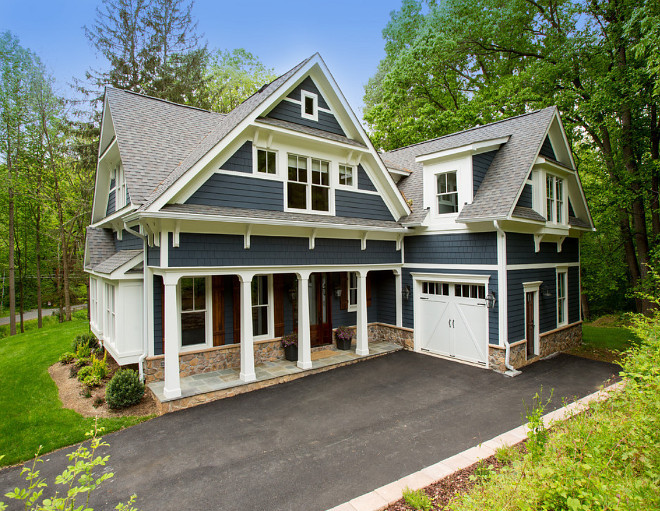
x,y
255,163
475,148
539,266
561,270
108,220
438,266
532,287
314,116
270,313
112,144
208,317
451,278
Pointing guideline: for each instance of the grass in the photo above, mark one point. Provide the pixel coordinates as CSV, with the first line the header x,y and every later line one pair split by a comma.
x,y
32,414
611,338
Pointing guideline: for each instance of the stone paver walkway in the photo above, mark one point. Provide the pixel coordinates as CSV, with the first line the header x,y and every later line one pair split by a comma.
x,y
229,378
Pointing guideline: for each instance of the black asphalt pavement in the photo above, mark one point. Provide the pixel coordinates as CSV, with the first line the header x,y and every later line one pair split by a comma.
x,y
316,442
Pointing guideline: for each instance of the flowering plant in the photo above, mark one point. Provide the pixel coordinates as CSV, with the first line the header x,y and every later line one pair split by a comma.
x,y
344,333
289,340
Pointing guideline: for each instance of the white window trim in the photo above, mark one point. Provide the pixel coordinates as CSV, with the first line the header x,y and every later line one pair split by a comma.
x,y
110,316
352,307
306,94
562,271
533,287
255,163
208,327
308,184
564,207
354,174
271,313
436,194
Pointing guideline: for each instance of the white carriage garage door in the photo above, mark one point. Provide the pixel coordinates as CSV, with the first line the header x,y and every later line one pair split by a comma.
x,y
453,320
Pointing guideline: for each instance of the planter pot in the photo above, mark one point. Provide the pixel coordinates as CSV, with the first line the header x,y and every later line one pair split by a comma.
x,y
344,344
291,353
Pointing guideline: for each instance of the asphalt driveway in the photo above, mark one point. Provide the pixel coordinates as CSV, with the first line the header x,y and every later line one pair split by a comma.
x,y
319,441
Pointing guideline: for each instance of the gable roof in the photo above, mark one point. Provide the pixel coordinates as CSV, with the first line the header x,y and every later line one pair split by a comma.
x,y
498,193
154,136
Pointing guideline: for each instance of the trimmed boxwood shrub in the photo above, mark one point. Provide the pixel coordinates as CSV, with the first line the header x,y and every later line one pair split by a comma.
x,y
125,389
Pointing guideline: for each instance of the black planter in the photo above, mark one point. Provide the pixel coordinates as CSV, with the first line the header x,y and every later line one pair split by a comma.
x,y
291,353
344,344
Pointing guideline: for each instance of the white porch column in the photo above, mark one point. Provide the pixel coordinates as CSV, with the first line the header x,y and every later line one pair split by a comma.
x,y
171,338
398,291
362,330
247,339
304,335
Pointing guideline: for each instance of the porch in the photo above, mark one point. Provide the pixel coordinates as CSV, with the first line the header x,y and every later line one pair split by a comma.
x,y
210,386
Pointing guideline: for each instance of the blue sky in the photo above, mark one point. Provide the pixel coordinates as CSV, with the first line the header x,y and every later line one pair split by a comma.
x,y
347,33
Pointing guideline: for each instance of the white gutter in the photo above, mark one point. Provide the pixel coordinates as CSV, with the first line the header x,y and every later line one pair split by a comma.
x,y
503,288
145,309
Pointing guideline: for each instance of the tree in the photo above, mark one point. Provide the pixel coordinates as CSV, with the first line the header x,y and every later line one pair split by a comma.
x,y
459,63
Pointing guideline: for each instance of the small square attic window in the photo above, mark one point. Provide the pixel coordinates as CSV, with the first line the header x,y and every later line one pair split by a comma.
x,y
309,105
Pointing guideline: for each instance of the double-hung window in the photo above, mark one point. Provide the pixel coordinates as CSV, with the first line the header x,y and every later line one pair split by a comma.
x,y
93,301
110,316
193,311
266,162
260,306
562,317
346,175
352,291
308,190
118,185
554,199
447,193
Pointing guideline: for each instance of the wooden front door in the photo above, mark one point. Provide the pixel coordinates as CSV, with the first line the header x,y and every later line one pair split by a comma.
x,y
319,309
530,326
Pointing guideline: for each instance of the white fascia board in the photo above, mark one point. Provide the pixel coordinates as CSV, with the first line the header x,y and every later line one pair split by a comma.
x,y
404,173
461,278
120,273
106,111
206,271
117,215
394,191
557,118
261,221
320,140
475,148
553,166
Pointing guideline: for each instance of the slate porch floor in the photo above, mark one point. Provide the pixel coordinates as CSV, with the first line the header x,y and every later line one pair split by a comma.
x,y
228,378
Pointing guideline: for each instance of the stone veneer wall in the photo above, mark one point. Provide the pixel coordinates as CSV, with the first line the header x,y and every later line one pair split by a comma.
x,y
561,339
229,355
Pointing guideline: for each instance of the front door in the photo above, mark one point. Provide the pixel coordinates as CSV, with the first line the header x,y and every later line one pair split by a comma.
x,y
530,326
319,310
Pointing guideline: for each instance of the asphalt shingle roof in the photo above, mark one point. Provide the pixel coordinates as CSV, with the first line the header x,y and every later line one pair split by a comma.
x,y
154,137
309,131
498,192
100,246
116,261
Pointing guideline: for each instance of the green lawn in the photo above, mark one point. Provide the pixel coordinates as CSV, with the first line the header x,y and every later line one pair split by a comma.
x,y
32,414
611,338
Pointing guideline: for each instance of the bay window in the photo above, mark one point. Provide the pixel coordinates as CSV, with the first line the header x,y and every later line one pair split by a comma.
x,y
193,311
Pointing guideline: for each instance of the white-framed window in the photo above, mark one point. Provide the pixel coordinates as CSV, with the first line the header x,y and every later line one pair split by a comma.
x,y
352,291
194,301
309,105
470,291
110,315
562,305
266,162
554,199
93,301
118,185
261,306
347,175
435,288
446,192
308,183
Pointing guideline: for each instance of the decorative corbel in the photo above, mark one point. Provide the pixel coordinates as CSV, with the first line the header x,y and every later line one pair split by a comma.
x,y
256,137
175,234
312,239
538,238
246,236
399,241
560,242
363,240
269,140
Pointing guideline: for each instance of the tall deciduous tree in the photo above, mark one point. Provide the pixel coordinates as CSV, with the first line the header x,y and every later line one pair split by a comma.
x,y
457,63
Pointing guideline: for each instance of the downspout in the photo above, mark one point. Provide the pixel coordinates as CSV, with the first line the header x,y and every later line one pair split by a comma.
x,y
145,309
503,289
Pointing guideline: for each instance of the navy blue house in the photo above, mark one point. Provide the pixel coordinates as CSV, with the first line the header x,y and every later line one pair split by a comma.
x,y
214,235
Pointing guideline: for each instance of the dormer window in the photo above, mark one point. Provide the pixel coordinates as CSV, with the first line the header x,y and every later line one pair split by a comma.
x,y
118,185
447,193
554,195
309,105
346,175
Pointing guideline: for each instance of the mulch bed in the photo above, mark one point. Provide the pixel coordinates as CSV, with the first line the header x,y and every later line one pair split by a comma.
x,y
443,492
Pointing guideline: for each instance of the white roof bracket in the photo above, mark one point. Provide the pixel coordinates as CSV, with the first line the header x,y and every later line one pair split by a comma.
x,y
175,234
560,241
363,240
538,238
246,237
312,239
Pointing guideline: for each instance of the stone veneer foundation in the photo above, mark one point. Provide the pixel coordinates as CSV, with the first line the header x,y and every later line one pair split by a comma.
x,y
229,355
561,339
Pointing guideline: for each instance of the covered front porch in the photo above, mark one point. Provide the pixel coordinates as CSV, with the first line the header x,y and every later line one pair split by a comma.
x,y
209,386
244,313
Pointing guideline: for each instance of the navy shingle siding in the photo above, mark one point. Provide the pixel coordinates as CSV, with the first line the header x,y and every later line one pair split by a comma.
x,y
128,242
361,205
241,160
525,199
227,250
383,288
546,149
468,248
153,256
493,314
520,250
363,181
480,164
516,301
240,192
291,112
308,85
573,294
158,315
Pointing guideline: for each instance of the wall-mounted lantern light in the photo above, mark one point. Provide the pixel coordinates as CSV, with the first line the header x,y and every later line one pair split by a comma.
x,y
405,293
293,293
490,300
545,291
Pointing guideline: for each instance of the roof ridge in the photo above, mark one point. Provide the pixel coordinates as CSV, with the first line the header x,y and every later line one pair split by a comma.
x,y
146,96
471,129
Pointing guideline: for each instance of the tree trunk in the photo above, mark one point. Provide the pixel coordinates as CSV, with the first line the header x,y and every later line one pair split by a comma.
x,y
12,290
37,249
655,161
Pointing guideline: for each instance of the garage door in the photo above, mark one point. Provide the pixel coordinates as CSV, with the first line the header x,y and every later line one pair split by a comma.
x,y
454,320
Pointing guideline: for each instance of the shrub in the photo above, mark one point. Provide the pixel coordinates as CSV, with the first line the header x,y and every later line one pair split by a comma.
x,y
98,402
67,358
83,351
89,340
125,389
417,499
100,366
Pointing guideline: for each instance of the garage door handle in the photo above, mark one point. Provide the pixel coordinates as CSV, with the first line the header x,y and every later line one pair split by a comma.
x,y
450,323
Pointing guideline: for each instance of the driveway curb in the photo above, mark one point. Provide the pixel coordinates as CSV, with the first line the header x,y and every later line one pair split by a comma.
x,y
382,497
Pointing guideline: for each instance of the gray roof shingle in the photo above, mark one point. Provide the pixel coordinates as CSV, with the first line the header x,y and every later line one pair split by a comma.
x,y
498,192
154,136
528,213
309,131
116,261
100,246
